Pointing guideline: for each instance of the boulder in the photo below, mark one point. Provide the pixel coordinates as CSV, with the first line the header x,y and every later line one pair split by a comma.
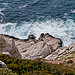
x,y
7,53
2,65
31,37
41,37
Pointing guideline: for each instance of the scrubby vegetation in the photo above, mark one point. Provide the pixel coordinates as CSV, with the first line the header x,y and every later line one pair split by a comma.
x,y
5,71
35,67
70,61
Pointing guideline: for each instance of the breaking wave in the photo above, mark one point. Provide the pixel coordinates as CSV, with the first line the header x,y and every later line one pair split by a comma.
x,y
65,30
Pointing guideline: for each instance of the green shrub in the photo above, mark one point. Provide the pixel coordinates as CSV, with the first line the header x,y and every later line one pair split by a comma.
x,y
69,57
4,71
34,67
69,72
70,61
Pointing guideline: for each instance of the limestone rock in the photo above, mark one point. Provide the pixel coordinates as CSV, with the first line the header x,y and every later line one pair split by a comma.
x,y
62,53
38,50
7,46
7,53
2,65
31,37
30,48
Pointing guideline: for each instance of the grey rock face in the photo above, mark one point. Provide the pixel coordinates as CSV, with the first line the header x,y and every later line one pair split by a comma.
x,y
29,48
62,53
47,47
7,46
32,48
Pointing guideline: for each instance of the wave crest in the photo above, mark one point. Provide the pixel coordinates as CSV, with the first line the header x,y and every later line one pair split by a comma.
x,y
61,29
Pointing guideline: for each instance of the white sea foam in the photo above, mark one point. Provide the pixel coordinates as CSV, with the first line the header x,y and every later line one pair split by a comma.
x,y
23,6
58,28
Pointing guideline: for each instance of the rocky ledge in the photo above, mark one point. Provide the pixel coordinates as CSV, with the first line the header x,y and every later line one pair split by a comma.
x,y
47,47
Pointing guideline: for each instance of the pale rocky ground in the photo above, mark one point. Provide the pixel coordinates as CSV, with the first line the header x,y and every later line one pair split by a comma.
x,y
2,65
47,47
62,53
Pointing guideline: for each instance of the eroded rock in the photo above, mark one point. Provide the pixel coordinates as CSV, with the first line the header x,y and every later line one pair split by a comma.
x,y
2,65
7,46
30,48
62,53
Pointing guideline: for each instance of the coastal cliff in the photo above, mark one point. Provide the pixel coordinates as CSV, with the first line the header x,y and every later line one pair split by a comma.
x,y
46,47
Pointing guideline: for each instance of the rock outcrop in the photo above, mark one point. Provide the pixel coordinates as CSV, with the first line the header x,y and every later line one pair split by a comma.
x,y
30,48
2,65
7,46
62,53
47,47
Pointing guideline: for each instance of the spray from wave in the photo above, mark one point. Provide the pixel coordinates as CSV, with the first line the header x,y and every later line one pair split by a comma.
x,y
58,28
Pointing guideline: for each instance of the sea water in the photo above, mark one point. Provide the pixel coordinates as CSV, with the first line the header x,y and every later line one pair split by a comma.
x,y
19,18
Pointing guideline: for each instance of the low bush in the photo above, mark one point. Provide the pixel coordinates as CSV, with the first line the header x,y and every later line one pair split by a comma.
x,y
5,71
34,67
70,61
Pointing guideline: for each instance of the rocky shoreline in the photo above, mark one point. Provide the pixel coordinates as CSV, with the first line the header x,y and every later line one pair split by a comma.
x,y
46,47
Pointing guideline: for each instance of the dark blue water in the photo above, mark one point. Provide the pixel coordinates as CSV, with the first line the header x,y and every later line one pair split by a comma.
x,y
27,10
20,18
